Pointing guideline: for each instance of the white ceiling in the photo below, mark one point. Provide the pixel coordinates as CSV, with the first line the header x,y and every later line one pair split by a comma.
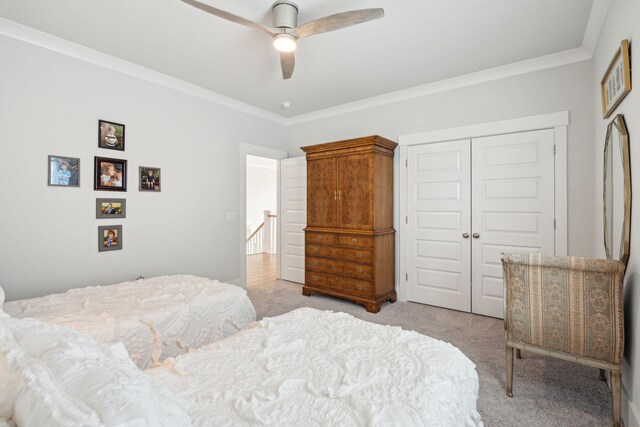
x,y
418,42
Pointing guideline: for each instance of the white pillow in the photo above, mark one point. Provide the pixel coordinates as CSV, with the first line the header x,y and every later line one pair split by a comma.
x,y
1,296
29,395
70,379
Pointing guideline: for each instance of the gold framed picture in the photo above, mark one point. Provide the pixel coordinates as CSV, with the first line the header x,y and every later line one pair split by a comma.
x,y
616,83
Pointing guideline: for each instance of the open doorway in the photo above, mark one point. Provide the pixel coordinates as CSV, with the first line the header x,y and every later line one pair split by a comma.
x,y
261,219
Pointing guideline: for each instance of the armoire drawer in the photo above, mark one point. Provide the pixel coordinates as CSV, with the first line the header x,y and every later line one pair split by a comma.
x,y
354,241
341,284
359,255
345,268
320,238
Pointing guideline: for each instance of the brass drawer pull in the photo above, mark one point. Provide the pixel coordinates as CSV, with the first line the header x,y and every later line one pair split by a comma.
x,y
354,241
360,286
319,238
315,250
314,278
315,262
359,255
359,269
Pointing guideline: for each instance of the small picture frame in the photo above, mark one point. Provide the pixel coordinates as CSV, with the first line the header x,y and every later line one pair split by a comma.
x,y
149,179
616,83
109,238
110,174
63,171
111,208
110,135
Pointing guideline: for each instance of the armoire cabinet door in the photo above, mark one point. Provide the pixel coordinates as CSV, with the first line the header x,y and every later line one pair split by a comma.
x,y
355,191
322,184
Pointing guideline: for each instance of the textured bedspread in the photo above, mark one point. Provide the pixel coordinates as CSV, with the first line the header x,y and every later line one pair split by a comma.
x,y
314,368
155,318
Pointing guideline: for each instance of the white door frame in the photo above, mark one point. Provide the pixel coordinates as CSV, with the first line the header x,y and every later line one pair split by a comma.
x,y
558,121
253,150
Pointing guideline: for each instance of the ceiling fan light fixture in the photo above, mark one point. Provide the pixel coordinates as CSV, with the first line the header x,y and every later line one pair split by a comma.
x,y
284,42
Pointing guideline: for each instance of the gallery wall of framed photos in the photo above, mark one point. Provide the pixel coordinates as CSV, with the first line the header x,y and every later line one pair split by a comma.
x,y
109,174
56,100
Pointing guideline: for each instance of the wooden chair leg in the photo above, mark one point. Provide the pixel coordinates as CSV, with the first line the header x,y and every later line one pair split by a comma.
x,y
509,353
603,375
518,354
616,396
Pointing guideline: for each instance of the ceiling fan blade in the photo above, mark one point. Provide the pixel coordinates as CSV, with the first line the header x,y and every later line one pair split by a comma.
x,y
229,16
288,63
338,21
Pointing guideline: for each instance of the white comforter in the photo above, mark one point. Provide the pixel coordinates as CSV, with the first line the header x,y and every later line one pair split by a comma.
x,y
155,318
314,368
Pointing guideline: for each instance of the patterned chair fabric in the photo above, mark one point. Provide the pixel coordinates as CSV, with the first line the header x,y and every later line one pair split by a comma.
x,y
571,305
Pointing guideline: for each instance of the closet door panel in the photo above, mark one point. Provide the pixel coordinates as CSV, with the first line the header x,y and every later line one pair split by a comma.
x,y
355,191
439,256
513,208
322,184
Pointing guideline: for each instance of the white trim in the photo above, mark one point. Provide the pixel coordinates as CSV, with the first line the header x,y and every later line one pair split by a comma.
x,y
518,68
260,151
252,150
597,16
238,282
403,197
585,52
557,121
523,124
39,38
633,420
561,191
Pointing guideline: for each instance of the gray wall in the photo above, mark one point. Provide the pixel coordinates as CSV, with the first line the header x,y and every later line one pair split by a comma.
x,y
563,88
50,104
623,22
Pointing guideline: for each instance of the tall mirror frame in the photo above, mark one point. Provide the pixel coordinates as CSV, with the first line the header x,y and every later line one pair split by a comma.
x,y
617,134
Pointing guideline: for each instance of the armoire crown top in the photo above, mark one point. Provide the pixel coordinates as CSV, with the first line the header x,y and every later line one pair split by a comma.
x,y
373,140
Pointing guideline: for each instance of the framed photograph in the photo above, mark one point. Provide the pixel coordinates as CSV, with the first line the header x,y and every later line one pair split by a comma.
x,y
149,179
111,208
110,135
616,83
109,238
64,171
110,174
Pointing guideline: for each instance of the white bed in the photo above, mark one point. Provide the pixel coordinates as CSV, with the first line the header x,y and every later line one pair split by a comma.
x,y
155,318
314,368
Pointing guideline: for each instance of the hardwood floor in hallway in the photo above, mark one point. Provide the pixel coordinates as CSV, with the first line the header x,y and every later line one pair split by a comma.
x,y
261,268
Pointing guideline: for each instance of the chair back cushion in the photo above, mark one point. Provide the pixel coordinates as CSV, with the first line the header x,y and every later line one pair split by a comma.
x,y
567,304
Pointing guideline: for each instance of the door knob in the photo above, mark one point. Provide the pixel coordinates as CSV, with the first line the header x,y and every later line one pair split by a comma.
x,y
476,235
465,235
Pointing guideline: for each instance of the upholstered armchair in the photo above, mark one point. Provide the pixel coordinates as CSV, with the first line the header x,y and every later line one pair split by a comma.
x,y
565,307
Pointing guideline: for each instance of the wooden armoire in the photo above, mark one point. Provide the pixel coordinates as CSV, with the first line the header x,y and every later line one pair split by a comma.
x,y
349,238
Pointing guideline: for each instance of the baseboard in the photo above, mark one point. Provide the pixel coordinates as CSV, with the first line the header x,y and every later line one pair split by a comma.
x,y
632,419
238,282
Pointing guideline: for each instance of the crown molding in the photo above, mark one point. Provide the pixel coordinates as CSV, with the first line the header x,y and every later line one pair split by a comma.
x,y
597,16
584,53
39,38
517,68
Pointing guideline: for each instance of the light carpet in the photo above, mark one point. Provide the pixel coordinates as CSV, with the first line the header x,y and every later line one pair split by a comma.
x,y
546,391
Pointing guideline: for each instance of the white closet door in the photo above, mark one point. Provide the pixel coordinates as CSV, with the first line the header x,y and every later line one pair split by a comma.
x,y
439,215
513,208
293,217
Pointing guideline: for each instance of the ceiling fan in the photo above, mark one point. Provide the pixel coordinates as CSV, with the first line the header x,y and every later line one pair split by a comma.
x,y
286,31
